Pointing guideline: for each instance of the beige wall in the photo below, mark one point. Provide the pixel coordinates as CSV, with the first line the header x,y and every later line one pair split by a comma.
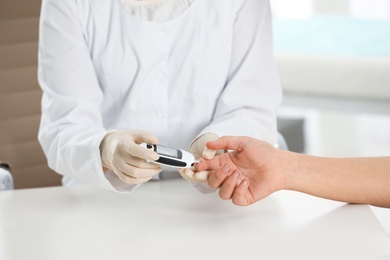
x,y
20,95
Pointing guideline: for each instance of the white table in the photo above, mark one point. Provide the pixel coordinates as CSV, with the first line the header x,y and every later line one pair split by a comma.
x,y
331,127
169,219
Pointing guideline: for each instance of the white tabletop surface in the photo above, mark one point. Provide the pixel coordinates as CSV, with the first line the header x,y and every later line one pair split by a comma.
x,y
169,219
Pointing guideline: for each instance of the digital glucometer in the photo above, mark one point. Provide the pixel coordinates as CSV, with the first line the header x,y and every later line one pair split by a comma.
x,y
170,156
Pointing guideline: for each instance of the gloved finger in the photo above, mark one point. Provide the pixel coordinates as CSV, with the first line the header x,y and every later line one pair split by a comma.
x,y
186,175
208,153
144,137
198,146
227,189
137,151
201,176
135,172
138,162
190,175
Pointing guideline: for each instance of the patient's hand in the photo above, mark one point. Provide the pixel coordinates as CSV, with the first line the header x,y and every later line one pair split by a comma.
x,y
247,174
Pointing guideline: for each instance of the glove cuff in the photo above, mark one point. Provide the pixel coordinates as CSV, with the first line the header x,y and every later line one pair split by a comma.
x,y
105,151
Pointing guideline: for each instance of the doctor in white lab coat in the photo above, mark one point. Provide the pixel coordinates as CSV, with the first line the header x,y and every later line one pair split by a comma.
x,y
131,71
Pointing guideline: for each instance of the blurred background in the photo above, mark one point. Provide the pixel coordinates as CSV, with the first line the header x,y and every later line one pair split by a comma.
x,y
333,58
334,64
20,95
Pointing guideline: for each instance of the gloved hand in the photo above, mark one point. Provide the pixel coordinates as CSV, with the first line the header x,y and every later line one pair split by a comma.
x,y
121,152
199,150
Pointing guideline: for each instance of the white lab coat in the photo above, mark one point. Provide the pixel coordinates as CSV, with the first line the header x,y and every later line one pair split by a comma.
x,y
158,10
211,69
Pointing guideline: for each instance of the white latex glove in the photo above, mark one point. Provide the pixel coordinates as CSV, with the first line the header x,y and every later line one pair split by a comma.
x,y
121,152
199,150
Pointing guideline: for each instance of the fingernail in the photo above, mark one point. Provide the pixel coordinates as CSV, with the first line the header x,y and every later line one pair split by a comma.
x,y
244,183
235,174
226,168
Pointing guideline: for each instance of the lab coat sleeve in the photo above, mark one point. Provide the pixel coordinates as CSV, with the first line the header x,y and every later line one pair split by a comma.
x,y
249,102
71,126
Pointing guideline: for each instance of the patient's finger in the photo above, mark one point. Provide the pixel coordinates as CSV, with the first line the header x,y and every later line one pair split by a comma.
x,y
227,143
213,164
218,176
238,197
227,189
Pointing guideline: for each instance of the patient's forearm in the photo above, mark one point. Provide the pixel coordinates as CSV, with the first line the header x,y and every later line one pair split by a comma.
x,y
353,180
